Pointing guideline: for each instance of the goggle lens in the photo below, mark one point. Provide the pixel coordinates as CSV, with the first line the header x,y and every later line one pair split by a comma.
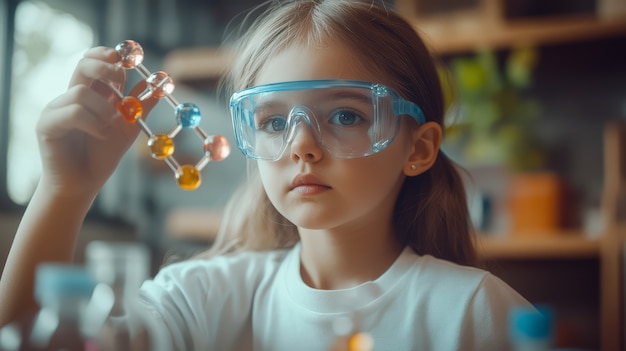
x,y
349,118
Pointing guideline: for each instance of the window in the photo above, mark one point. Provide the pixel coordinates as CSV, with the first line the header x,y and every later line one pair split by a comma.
x,y
48,44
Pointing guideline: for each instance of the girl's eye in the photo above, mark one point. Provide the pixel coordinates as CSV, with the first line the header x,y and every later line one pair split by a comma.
x,y
345,118
273,124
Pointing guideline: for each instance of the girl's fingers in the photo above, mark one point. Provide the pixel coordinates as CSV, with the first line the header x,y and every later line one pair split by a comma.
x,y
78,117
102,53
81,108
99,70
86,109
90,102
90,69
85,95
108,90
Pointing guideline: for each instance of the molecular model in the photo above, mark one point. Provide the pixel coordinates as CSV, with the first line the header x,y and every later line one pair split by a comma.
x,y
161,85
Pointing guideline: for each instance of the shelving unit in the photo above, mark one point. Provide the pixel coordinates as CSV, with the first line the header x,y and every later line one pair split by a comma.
x,y
612,275
606,248
539,262
444,34
533,32
485,26
197,65
562,245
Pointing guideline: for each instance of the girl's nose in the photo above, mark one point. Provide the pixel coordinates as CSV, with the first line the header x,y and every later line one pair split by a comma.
x,y
304,144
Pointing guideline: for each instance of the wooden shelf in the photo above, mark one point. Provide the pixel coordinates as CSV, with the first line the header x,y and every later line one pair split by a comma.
x,y
198,64
445,39
536,246
202,224
485,25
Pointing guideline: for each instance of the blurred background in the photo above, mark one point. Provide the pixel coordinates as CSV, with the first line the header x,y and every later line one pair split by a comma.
x,y
536,97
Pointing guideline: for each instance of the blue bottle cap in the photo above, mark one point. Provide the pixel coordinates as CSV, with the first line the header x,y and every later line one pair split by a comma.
x,y
531,324
54,281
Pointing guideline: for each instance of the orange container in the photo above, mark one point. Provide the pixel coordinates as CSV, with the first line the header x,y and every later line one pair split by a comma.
x,y
534,203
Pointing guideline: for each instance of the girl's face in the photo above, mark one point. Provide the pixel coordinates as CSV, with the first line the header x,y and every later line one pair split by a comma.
x,y
307,185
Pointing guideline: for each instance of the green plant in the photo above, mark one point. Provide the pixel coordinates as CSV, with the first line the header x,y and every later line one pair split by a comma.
x,y
492,119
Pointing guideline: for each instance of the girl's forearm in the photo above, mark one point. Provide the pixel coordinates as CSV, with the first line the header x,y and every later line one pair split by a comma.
x,y
47,233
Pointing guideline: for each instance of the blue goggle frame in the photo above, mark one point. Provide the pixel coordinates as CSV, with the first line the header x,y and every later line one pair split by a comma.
x,y
242,118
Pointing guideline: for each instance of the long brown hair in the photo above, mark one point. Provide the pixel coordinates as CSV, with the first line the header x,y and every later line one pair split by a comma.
x,y
431,214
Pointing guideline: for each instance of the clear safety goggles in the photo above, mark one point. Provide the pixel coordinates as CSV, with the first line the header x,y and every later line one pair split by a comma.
x,y
348,118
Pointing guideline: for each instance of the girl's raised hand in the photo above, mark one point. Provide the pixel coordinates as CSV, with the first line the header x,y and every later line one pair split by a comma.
x,y
81,135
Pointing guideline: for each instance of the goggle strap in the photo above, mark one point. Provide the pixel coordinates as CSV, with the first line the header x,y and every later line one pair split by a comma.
x,y
403,107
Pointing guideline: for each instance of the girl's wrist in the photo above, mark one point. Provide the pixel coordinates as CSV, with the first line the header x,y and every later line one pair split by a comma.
x,y
73,196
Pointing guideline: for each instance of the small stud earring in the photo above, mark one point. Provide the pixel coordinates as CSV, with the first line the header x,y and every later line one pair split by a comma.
x,y
413,167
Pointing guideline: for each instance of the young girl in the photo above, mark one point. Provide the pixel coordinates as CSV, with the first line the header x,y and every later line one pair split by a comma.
x,y
351,209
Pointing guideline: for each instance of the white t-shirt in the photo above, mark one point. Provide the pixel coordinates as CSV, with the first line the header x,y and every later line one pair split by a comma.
x,y
258,301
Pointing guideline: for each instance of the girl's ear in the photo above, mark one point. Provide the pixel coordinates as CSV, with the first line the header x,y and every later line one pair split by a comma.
x,y
425,141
